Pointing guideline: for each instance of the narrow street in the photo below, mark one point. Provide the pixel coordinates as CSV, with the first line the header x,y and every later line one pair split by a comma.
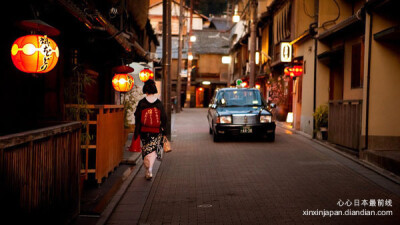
x,y
257,182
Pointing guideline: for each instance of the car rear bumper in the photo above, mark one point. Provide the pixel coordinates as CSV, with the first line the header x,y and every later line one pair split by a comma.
x,y
237,129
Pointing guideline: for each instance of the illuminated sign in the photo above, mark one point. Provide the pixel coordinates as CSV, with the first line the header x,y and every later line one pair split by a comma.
x,y
286,52
226,59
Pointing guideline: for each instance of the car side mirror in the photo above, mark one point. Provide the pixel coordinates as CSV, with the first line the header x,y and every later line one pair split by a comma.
x,y
272,105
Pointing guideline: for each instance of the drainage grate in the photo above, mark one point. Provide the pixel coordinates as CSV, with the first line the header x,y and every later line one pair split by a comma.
x,y
205,206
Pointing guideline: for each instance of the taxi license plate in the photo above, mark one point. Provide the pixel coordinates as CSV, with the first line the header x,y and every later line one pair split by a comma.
x,y
246,130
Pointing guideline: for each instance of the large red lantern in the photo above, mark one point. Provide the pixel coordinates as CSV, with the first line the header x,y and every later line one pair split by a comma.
x,y
146,74
34,54
122,82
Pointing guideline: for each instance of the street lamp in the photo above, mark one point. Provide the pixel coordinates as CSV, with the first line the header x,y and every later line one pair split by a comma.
x,y
236,16
257,58
193,38
226,59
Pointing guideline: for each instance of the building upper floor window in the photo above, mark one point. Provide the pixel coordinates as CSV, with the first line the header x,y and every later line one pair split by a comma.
x,y
357,72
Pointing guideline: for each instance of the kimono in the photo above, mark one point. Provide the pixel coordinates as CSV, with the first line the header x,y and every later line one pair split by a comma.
x,y
150,136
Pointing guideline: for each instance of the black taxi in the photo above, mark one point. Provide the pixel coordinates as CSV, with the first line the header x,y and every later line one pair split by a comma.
x,y
240,111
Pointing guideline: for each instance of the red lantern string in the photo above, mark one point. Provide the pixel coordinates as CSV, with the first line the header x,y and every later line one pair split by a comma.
x,y
294,71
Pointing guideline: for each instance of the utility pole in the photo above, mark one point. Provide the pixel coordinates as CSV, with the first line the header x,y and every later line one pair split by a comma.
x,y
166,61
189,69
253,33
180,45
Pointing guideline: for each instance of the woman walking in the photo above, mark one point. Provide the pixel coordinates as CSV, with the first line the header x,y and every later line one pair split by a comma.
x,y
150,125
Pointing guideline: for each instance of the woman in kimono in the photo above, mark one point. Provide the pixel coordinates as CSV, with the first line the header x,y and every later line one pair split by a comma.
x,y
150,125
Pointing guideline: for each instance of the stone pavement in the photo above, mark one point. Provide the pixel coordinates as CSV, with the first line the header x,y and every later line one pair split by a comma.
x,y
385,162
238,181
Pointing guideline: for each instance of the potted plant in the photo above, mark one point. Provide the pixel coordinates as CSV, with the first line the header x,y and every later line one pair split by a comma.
x,y
278,96
130,101
321,122
74,92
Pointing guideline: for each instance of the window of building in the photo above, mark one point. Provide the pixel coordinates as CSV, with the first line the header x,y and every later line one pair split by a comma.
x,y
357,74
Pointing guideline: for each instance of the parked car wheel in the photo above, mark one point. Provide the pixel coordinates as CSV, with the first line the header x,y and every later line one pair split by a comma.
x,y
270,137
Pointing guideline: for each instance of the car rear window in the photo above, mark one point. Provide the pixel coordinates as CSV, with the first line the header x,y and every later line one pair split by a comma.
x,y
239,97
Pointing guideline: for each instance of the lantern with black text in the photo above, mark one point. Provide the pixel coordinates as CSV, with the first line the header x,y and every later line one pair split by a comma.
x,y
34,54
146,74
122,82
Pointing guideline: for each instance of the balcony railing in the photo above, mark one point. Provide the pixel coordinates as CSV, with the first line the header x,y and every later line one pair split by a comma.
x,y
344,123
104,139
40,172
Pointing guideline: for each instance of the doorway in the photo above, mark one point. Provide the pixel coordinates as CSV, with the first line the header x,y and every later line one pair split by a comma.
x,y
336,80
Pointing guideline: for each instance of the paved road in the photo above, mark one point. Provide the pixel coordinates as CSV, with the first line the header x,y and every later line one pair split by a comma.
x,y
254,182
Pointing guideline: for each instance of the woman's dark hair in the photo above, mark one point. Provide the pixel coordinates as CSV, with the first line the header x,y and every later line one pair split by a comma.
x,y
150,87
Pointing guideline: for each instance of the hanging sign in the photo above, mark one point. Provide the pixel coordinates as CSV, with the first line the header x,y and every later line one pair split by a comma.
x,y
286,52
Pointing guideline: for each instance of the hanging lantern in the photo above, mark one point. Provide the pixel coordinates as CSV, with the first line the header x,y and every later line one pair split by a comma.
x,y
122,82
286,71
34,54
146,74
297,71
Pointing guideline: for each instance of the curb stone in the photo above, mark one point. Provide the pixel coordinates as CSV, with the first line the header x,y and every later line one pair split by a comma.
x,y
105,215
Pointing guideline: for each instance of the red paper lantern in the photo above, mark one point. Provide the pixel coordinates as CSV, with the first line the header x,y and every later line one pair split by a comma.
x,y
297,70
287,71
34,54
146,74
122,82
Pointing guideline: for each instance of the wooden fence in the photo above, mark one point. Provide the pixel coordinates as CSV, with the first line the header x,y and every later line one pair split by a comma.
x,y
103,151
40,173
344,123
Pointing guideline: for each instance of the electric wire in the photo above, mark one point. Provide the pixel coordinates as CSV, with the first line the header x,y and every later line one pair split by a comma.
x,y
306,11
334,20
